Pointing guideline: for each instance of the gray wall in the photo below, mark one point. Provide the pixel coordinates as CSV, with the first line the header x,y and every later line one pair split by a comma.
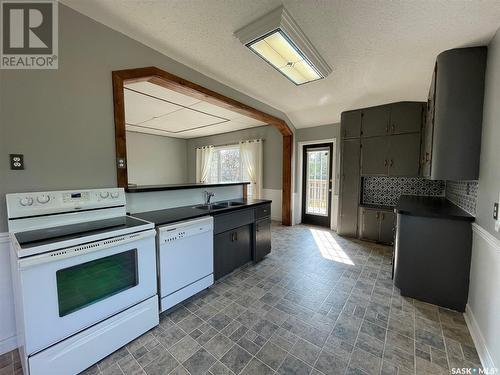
x,y
156,160
331,131
62,120
272,150
489,173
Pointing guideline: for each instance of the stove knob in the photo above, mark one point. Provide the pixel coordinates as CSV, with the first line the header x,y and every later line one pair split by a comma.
x,y
104,194
26,201
43,199
114,195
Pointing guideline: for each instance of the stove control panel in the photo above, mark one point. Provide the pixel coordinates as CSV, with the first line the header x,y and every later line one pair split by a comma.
x,y
42,203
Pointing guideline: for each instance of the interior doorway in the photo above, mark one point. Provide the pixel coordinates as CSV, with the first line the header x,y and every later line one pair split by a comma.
x,y
317,160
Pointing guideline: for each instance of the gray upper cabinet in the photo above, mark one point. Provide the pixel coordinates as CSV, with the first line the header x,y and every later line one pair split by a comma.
x,y
374,156
351,124
375,121
458,113
404,155
427,131
349,188
406,117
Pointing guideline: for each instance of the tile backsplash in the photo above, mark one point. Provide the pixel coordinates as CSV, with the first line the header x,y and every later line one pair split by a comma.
x,y
463,194
385,191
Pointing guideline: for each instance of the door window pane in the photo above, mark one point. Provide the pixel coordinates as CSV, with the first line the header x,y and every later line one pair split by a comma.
x,y
87,283
317,184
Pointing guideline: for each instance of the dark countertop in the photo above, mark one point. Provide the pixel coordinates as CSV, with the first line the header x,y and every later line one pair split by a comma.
x,y
431,207
145,188
377,207
172,215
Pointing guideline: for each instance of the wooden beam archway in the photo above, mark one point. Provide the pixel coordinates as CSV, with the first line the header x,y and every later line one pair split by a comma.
x,y
178,84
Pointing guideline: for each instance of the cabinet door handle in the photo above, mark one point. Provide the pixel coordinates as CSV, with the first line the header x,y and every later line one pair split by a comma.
x,y
391,163
387,128
393,128
427,156
385,163
377,215
382,216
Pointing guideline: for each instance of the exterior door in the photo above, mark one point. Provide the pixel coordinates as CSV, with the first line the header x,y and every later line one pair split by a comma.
x,y
317,184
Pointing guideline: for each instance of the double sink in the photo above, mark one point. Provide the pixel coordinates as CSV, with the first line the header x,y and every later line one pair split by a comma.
x,y
219,205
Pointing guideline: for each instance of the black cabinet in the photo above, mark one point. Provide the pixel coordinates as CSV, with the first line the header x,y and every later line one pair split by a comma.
x,y
241,236
432,259
262,239
232,249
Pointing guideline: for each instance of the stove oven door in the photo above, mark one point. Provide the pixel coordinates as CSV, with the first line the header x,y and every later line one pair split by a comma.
x,y
68,290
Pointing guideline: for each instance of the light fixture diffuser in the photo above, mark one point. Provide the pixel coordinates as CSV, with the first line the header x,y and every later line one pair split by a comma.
x,y
278,40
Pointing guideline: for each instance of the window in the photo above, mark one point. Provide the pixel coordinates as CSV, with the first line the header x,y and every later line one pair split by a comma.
x,y
226,164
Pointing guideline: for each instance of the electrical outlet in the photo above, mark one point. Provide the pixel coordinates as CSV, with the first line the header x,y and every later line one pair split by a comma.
x,y
495,211
16,162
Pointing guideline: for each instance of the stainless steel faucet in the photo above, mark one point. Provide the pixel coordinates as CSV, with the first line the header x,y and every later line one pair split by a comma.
x,y
208,196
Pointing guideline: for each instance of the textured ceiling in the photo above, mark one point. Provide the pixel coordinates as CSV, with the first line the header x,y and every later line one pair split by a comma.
x,y
380,51
153,109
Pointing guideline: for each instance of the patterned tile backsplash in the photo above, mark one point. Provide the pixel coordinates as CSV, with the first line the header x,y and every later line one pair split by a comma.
x,y
385,191
463,194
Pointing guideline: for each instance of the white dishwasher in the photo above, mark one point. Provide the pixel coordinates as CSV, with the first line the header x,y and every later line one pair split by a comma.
x,y
186,259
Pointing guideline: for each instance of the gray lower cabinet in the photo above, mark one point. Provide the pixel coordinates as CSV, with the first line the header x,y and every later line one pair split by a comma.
x,y
262,239
349,188
387,227
377,225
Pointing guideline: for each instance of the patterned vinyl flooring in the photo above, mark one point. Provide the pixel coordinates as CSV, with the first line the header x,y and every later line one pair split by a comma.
x,y
318,304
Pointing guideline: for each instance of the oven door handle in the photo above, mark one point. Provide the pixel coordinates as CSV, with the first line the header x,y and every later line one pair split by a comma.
x,y
92,247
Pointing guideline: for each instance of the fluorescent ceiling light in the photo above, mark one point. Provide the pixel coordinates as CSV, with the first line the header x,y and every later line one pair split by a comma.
x,y
278,40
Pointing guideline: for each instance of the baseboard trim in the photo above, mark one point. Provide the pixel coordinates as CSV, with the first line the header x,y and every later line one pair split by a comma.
x,y
4,237
487,236
8,344
477,337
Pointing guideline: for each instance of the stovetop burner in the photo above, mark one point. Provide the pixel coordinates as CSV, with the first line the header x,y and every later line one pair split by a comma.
x,y
46,236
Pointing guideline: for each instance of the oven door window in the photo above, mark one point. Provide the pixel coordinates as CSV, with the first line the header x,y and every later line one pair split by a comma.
x,y
87,283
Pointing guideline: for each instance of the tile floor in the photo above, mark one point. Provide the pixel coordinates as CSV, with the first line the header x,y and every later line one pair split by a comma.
x,y
319,304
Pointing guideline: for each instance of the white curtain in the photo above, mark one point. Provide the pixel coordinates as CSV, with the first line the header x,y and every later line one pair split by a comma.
x,y
203,162
251,160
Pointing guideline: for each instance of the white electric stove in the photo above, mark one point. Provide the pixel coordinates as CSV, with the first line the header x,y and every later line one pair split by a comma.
x,y
84,276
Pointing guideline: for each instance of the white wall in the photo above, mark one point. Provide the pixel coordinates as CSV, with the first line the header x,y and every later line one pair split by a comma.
x,y
483,309
7,320
158,200
156,160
